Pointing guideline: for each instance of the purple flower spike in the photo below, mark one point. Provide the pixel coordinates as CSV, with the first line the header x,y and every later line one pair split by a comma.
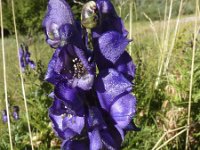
x,y
4,116
24,56
90,111
28,61
16,112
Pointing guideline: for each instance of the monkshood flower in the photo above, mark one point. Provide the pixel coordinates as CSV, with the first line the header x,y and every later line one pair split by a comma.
x,y
27,56
21,57
4,116
24,56
15,112
71,60
89,111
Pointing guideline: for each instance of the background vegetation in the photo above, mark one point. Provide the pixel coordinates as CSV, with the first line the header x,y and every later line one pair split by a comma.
x,y
162,89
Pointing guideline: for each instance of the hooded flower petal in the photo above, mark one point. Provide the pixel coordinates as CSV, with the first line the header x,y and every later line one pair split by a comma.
x,y
109,21
75,123
74,145
59,129
112,45
110,53
123,110
95,119
51,75
95,140
109,85
58,14
126,66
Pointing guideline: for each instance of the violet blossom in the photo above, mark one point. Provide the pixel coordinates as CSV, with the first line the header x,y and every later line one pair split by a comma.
x,y
24,57
4,116
16,112
90,110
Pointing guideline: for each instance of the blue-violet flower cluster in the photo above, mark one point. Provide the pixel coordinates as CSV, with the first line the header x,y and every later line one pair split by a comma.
x,y
91,109
24,56
15,114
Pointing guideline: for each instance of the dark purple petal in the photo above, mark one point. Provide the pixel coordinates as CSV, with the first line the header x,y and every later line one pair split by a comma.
x,y
58,107
27,55
123,110
63,66
109,85
109,19
74,145
126,66
65,125
59,129
70,96
74,123
100,139
109,49
26,58
21,57
70,34
95,140
31,64
4,116
85,82
112,45
95,119
51,75
58,14
16,112
16,115
109,141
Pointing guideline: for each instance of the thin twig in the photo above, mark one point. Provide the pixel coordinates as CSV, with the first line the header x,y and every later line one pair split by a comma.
x,y
4,77
154,30
130,25
77,2
191,77
165,46
174,38
163,136
164,144
21,76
